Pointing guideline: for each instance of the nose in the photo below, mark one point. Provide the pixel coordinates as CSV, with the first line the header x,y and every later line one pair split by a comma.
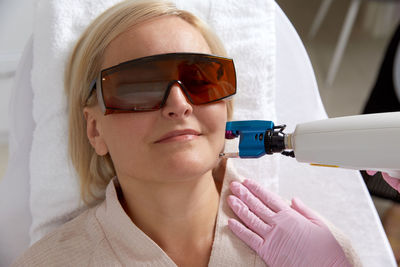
x,y
177,105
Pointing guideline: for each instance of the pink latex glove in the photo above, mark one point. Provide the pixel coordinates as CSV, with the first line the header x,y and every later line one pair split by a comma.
x,y
282,235
393,182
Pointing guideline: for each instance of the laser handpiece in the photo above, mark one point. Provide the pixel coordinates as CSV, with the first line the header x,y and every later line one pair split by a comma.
x,y
362,142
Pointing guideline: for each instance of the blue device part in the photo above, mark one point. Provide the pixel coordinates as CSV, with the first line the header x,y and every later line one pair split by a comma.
x,y
252,135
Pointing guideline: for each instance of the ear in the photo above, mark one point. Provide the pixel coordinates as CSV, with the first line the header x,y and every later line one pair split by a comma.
x,y
93,130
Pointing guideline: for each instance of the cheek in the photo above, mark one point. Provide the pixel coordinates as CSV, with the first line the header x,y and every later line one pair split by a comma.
x,y
125,134
214,117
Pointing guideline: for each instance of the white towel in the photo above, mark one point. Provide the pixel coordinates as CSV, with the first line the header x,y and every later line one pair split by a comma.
x,y
54,195
246,28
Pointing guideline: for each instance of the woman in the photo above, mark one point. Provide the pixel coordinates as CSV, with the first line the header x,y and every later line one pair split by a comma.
x,y
151,130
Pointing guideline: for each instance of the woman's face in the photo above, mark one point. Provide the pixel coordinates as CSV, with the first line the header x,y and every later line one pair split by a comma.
x,y
179,141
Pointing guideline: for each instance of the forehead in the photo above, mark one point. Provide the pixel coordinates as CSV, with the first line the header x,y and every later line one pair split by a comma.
x,y
158,36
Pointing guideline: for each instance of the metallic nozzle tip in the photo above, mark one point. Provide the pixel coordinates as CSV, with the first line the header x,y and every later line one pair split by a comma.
x,y
229,155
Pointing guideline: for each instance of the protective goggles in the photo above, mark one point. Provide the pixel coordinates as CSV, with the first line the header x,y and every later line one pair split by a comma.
x,y
144,84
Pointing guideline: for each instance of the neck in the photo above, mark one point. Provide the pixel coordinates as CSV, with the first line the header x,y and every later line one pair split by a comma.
x,y
179,216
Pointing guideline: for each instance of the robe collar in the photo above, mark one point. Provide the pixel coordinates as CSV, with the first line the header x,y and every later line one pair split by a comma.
x,y
130,244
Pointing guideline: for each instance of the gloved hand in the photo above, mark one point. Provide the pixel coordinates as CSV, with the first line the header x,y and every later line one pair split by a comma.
x,y
392,181
282,235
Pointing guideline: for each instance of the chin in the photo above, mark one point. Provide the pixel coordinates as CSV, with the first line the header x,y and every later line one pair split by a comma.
x,y
188,165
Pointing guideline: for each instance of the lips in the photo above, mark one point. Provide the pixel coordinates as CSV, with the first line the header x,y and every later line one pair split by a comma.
x,y
178,135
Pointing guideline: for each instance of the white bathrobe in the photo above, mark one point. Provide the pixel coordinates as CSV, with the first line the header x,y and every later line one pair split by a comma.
x,y
105,236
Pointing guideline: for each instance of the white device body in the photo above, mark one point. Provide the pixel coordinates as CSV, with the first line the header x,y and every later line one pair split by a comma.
x,y
362,142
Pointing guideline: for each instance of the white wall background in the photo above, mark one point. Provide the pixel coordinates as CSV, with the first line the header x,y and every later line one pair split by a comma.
x,y
16,25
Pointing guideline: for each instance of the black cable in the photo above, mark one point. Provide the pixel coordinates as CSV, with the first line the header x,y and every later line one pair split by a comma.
x,y
288,153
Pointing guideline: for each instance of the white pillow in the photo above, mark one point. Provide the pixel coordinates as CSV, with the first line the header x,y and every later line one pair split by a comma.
x,y
15,217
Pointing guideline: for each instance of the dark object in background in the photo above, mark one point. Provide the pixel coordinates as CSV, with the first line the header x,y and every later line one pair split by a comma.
x,y
379,188
383,98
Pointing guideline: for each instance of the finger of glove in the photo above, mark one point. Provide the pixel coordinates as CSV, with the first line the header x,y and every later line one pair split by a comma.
x,y
253,240
371,172
394,182
301,208
247,216
252,202
270,199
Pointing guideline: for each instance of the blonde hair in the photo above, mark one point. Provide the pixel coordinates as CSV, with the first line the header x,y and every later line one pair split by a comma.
x,y
95,171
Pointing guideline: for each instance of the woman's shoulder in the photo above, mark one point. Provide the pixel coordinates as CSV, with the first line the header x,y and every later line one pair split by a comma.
x,y
73,242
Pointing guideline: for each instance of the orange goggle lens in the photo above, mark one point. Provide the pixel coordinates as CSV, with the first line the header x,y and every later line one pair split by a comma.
x,y
143,84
